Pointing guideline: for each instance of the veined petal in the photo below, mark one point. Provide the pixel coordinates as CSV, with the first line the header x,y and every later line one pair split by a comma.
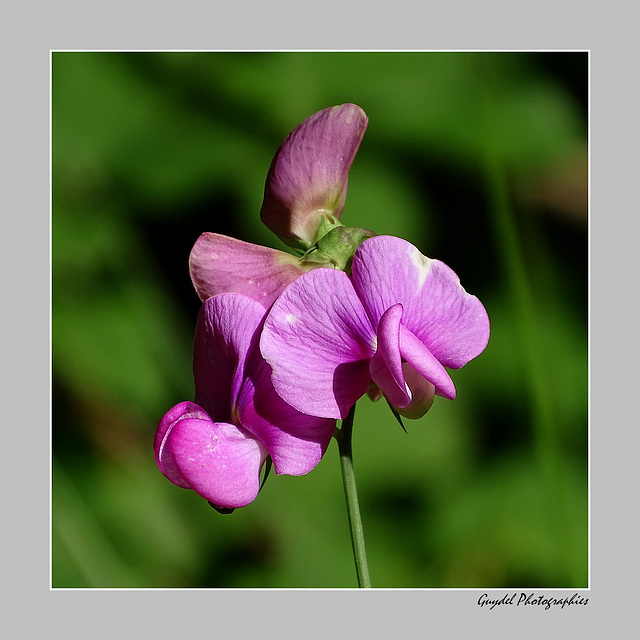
x,y
452,323
307,178
219,461
296,442
226,329
425,363
163,458
318,341
422,393
386,365
219,264
456,326
234,383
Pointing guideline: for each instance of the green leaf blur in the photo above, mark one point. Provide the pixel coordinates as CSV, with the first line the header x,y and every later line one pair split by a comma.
x,y
479,159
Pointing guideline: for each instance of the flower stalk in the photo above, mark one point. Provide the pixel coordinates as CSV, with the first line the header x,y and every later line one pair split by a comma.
x,y
343,438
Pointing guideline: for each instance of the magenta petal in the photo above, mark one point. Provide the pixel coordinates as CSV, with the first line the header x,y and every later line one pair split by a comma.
x,y
437,310
219,461
318,341
163,459
296,442
226,329
233,383
219,264
425,363
308,175
422,393
386,364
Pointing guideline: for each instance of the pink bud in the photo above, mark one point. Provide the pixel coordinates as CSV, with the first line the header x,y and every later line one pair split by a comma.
x,y
306,186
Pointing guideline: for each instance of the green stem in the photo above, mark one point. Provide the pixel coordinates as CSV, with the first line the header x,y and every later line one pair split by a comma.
x,y
343,438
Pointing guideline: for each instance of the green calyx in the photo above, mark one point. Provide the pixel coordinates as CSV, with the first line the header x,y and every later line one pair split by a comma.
x,y
337,247
326,223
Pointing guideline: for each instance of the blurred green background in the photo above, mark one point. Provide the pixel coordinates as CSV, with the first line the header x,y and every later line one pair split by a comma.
x,y
478,158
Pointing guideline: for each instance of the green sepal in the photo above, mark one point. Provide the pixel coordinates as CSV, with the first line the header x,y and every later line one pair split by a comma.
x,y
223,510
328,222
336,248
398,417
265,473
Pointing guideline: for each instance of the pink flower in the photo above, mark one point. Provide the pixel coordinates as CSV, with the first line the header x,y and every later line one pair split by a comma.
x,y
398,321
304,194
306,185
218,444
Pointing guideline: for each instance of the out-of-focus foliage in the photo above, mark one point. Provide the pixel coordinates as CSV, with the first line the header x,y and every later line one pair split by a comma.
x,y
480,159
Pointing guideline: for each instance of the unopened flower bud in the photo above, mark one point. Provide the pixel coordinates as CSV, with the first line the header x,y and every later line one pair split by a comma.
x,y
306,185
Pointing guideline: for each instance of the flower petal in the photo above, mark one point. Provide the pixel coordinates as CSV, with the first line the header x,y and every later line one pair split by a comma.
x,y
422,393
406,389
308,175
226,329
318,341
163,459
425,363
233,383
219,264
219,461
437,310
296,442
386,364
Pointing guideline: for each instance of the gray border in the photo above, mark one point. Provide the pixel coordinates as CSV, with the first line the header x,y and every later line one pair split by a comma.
x,y
31,33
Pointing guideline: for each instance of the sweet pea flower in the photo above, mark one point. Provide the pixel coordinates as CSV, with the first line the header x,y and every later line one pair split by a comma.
x,y
395,323
306,185
304,195
218,444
